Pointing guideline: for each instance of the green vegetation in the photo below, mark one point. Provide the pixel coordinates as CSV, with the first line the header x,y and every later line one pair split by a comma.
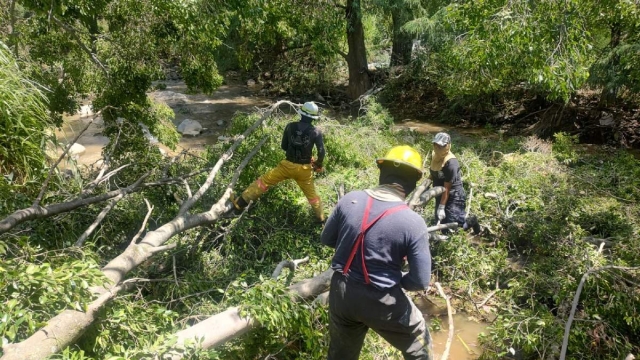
x,y
23,121
552,208
543,209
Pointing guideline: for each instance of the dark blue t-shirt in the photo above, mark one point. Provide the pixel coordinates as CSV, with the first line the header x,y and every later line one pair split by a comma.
x,y
450,173
386,243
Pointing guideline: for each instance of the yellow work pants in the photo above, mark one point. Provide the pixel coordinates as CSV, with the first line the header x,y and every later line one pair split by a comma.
x,y
301,173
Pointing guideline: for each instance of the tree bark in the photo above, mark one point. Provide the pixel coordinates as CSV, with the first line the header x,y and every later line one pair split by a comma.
x,y
229,325
402,40
359,81
609,94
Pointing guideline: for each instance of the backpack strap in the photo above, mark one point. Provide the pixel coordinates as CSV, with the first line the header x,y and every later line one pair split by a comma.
x,y
364,227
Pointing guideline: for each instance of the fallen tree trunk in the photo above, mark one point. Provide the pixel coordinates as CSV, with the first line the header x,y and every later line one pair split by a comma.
x,y
65,328
229,325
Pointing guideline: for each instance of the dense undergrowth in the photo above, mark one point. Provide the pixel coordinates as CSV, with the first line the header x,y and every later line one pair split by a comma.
x,y
539,202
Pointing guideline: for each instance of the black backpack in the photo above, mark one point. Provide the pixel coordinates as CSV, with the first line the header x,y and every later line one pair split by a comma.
x,y
299,140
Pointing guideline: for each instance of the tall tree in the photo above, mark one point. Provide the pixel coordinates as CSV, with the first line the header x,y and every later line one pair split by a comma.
x,y
359,80
402,39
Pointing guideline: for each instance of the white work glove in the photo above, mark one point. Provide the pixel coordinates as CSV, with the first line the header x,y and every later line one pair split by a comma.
x,y
440,213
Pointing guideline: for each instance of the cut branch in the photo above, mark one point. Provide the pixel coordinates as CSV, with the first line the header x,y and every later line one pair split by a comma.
x,y
576,300
414,200
290,264
427,195
71,325
445,354
449,226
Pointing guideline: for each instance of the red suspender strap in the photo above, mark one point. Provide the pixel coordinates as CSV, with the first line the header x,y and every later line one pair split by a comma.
x,y
360,239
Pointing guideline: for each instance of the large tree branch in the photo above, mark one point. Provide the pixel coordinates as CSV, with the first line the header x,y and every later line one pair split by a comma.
x,y
69,325
56,335
229,325
39,212
73,324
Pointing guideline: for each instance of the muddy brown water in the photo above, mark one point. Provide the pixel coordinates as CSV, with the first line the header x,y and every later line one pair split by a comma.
x,y
209,110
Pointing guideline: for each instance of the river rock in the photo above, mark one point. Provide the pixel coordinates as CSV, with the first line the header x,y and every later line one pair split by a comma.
x,y
606,119
251,83
220,122
170,97
86,110
76,150
190,127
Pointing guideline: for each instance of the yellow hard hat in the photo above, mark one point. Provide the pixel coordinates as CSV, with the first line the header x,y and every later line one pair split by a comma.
x,y
403,155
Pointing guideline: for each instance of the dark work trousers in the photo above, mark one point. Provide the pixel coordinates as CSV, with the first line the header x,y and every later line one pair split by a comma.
x,y
454,208
355,307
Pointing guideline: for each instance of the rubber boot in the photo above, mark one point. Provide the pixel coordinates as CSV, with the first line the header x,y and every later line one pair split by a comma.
x,y
472,222
236,205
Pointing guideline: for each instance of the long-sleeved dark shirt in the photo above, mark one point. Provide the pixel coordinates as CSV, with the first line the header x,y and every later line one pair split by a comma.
x,y
315,138
386,243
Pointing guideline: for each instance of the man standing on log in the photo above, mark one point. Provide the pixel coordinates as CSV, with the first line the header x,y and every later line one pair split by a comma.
x,y
298,140
372,231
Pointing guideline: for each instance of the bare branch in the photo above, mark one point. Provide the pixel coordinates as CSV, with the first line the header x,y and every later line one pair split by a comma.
x,y
102,178
162,248
290,264
576,300
98,220
39,212
445,353
36,202
144,222
175,273
484,302
186,184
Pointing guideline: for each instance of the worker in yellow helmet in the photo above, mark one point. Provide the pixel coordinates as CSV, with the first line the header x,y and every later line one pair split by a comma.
x,y
298,141
372,231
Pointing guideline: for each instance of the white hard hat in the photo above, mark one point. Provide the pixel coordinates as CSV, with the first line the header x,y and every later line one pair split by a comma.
x,y
309,109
